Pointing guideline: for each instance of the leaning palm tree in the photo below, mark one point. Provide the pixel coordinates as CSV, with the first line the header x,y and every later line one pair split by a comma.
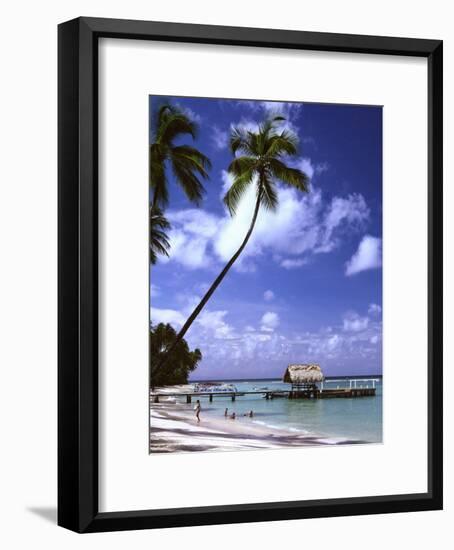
x,y
259,161
159,243
187,163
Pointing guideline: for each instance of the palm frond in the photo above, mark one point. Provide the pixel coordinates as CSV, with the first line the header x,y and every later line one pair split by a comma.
x,y
267,194
189,182
266,126
241,164
239,142
255,140
284,143
187,162
237,190
191,158
174,125
291,176
158,180
159,242
164,110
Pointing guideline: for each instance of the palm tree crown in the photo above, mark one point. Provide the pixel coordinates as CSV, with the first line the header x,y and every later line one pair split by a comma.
x,y
260,159
188,164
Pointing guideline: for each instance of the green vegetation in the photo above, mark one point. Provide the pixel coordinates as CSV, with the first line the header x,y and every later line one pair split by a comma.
x,y
187,164
183,360
159,243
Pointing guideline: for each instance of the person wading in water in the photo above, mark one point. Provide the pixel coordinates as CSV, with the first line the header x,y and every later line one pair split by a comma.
x,y
197,409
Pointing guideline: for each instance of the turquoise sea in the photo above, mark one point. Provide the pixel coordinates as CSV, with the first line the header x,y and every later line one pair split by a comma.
x,y
357,418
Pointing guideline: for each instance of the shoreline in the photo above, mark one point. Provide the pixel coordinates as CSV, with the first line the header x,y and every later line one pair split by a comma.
x,y
173,428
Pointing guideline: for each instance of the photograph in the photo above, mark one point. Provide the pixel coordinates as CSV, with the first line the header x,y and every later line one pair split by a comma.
x,y
265,250
230,230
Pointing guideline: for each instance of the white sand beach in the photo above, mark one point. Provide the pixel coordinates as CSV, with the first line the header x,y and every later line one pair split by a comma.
x,y
174,428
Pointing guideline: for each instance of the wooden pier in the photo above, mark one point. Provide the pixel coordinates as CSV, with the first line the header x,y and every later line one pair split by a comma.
x,y
318,393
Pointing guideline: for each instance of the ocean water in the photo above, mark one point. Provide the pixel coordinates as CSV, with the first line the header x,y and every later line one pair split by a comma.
x,y
357,418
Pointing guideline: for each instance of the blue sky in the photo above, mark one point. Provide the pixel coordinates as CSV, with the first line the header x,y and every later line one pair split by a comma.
x,y
308,286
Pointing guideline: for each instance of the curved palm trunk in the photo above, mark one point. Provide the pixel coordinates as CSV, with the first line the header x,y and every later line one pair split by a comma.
x,y
213,287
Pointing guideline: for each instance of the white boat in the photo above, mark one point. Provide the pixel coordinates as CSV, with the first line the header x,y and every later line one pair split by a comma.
x,y
214,387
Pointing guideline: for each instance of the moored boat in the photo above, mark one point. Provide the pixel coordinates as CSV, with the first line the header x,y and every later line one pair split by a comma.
x,y
214,387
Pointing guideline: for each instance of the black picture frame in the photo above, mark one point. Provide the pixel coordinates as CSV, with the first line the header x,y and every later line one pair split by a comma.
x,y
78,274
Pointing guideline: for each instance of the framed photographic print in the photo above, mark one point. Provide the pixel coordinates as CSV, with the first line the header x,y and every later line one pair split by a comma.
x,y
250,265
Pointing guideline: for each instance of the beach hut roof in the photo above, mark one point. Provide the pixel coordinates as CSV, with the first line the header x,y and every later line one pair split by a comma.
x,y
303,374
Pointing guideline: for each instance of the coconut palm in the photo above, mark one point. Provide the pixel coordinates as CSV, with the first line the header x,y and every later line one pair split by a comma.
x,y
187,163
260,162
159,243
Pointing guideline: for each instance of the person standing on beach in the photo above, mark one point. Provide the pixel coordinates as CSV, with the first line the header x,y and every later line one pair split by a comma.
x,y
226,412
197,409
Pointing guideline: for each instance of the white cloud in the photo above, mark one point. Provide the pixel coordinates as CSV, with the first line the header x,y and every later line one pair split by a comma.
x,y
195,221
309,168
154,290
293,264
227,344
227,181
352,322
209,323
333,342
175,318
286,109
214,321
189,237
368,256
306,166
301,226
321,167
374,309
270,321
219,138
267,109
192,115
283,108
268,295
188,250
351,210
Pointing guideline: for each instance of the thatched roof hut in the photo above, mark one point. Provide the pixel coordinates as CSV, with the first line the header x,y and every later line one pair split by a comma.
x,y
303,374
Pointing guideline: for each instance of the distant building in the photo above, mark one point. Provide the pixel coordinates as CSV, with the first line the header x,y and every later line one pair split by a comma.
x,y
303,377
